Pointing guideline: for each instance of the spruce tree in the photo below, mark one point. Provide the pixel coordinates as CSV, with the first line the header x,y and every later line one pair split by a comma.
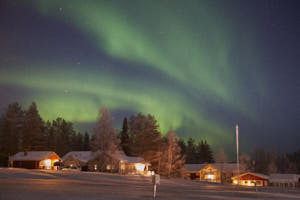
x,y
125,138
191,154
49,133
11,127
63,132
86,142
182,145
33,135
207,155
145,138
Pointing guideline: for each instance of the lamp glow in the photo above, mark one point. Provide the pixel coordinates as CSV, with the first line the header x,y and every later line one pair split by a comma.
x,y
47,163
140,167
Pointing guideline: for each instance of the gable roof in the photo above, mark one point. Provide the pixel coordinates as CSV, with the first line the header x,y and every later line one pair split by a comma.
x,y
131,159
254,174
32,156
219,166
83,156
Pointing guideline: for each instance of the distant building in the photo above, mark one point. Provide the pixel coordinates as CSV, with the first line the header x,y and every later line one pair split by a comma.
x,y
34,159
251,179
78,158
133,165
122,163
212,172
285,180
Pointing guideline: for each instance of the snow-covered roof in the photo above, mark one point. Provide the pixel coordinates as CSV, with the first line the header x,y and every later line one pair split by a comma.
x,y
284,178
194,167
219,166
32,156
254,174
131,159
83,156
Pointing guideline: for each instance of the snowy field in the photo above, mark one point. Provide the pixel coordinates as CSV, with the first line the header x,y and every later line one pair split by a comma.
x,y
25,184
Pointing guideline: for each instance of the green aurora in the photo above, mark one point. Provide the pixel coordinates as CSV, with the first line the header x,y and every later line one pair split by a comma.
x,y
190,48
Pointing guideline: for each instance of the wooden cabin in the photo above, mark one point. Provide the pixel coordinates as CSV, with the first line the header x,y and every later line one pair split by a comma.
x,y
133,165
212,172
78,159
34,159
251,179
92,161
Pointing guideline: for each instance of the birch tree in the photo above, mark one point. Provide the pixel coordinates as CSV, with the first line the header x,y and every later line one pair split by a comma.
x,y
221,158
105,140
172,161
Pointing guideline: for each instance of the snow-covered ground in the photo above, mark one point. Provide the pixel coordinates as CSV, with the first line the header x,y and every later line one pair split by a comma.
x,y
45,185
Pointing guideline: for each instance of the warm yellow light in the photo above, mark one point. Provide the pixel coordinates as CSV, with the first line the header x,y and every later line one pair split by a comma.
x,y
210,176
235,182
140,167
150,173
47,163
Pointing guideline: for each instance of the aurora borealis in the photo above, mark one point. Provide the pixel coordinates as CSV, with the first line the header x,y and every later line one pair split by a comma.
x,y
199,67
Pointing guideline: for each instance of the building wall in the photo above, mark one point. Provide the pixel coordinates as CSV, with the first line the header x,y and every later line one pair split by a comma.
x,y
72,162
26,164
251,180
130,168
210,174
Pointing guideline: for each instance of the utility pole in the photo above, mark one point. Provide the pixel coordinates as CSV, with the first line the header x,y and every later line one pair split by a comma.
x,y
237,152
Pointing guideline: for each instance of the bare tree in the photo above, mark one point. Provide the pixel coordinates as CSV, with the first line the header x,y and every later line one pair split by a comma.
x,y
105,140
221,158
172,160
245,161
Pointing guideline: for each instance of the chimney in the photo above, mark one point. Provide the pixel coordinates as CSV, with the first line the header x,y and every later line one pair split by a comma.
x,y
25,152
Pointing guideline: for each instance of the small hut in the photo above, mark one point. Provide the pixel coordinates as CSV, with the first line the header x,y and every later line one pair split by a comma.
x,y
78,158
212,172
34,159
251,179
133,165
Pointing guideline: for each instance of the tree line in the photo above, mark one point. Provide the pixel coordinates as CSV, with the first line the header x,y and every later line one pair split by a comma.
x,y
139,136
269,162
25,130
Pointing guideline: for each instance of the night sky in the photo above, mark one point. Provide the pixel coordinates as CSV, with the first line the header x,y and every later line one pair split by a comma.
x,y
199,67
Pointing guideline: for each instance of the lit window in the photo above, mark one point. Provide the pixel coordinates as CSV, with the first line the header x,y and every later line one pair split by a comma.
x,y
47,163
140,167
249,183
210,176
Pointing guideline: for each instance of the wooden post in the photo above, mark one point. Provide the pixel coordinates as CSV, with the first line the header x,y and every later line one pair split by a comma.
x,y
155,181
154,191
